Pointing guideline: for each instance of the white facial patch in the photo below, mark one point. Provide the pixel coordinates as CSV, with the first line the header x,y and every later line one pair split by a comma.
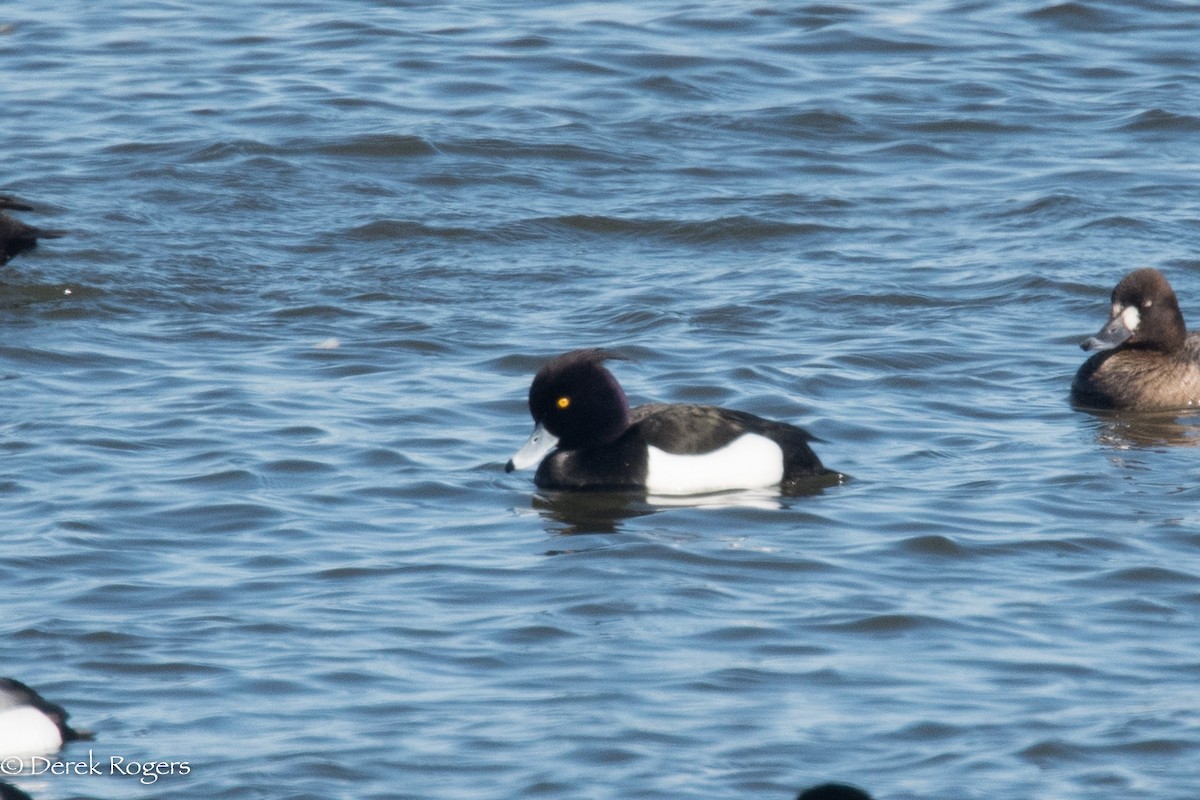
x,y
748,462
25,732
1131,318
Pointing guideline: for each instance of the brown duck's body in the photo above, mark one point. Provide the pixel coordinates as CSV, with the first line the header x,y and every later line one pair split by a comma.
x,y
1145,380
1153,363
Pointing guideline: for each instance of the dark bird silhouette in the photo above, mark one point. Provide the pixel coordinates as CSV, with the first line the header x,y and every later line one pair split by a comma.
x,y
834,791
15,236
10,792
8,201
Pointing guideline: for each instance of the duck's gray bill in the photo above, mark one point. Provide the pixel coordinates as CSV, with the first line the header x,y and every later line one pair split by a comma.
x,y
1111,335
540,442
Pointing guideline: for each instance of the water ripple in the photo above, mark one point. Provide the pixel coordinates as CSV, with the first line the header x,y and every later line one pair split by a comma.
x,y
258,401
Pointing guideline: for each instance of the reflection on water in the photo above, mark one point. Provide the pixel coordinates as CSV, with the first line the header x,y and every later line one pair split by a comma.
x,y
1128,430
893,228
15,295
604,512
590,512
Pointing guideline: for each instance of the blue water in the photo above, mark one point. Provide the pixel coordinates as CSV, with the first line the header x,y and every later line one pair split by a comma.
x,y
258,401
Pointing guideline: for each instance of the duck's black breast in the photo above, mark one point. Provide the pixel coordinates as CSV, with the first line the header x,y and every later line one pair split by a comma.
x,y
613,467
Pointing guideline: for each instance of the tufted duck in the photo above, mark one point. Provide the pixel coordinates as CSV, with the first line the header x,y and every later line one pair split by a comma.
x,y
581,414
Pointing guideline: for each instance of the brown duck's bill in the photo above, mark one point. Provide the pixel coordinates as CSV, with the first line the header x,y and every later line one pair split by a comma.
x,y
1120,327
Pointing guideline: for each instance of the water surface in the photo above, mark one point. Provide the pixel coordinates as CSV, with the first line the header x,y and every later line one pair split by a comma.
x,y
258,402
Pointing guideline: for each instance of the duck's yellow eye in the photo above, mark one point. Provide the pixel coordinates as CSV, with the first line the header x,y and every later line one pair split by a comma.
x,y
563,402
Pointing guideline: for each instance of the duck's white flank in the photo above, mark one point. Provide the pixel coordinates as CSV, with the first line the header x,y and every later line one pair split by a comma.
x,y
748,462
25,731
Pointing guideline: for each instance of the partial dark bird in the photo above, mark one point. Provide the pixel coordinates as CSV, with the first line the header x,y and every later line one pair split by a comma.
x,y
10,792
16,237
8,201
30,725
834,791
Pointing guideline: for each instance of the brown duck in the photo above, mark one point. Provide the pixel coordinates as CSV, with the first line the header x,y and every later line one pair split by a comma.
x,y
1148,360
